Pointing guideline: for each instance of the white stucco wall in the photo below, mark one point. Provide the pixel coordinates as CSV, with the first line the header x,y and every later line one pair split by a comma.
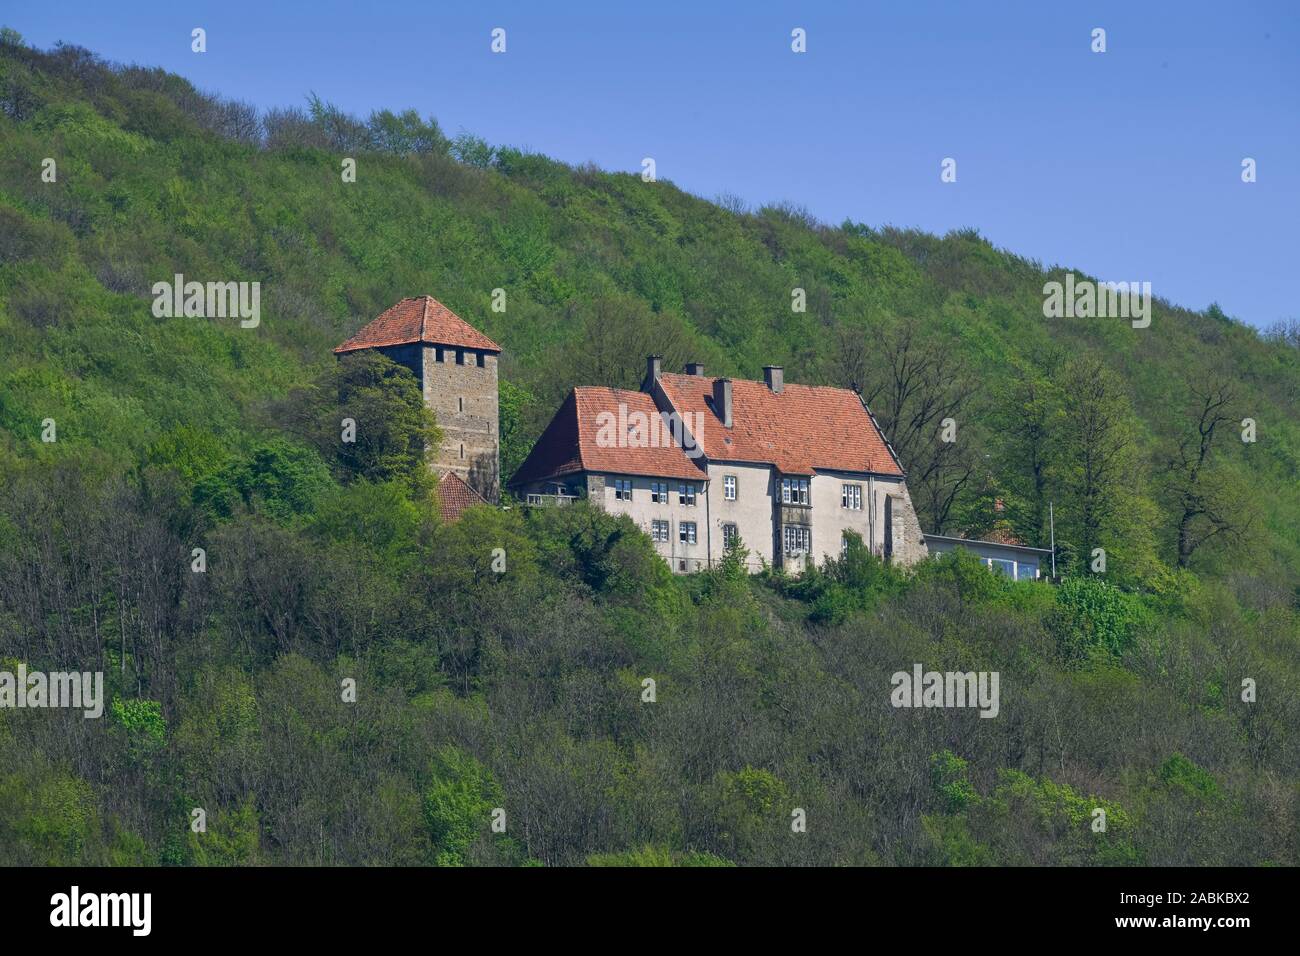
x,y
751,512
831,519
643,511
755,516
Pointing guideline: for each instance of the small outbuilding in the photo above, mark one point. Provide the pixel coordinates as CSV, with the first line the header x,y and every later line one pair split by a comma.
x,y
1017,561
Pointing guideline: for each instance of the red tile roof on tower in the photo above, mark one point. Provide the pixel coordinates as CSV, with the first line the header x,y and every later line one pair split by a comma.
x,y
419,319
573,441
454,496
798,430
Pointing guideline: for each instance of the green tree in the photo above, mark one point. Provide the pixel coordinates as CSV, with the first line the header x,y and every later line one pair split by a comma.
x,y
458,803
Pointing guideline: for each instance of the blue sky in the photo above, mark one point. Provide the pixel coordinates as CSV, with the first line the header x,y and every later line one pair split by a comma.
x,y
1125,164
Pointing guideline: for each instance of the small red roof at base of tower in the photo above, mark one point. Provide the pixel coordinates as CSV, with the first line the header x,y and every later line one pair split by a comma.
x,y
454,496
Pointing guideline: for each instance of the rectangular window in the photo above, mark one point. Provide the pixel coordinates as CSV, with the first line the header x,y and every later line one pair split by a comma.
x,y
685,494
797,539
1003,567
659,492
623,489
729,535
686,532
844,544
851,497
794,491
460,356
437,354
534,499
480,358
1026,572
729,487
658,530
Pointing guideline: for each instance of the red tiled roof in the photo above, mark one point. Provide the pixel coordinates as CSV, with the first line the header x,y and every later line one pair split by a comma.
x,y
579,439
1002,534
801,429
420,319
454,496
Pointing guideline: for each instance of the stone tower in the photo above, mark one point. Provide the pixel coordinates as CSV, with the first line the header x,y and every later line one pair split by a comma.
x,y
456,366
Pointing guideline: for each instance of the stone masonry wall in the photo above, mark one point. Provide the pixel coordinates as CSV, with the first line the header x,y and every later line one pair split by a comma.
x,y
464,400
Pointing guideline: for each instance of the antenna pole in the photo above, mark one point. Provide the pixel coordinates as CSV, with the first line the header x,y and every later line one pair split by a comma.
x,y
1051,521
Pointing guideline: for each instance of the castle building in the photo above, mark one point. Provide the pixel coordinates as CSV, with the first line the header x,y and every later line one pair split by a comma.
x,y
788,469
456,366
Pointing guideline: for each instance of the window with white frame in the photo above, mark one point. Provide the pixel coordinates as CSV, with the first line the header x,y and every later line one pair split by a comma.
x,y
659,492
851,497
685,494
794,491
797,539
658,530
730,534
1002,566
623,489
686,532
729,487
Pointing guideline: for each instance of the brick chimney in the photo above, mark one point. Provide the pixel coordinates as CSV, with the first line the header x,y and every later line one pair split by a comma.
x,y
722,400
694,368
652,369
773,377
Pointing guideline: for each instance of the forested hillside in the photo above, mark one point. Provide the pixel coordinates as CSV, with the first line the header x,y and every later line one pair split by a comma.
x,y
127,441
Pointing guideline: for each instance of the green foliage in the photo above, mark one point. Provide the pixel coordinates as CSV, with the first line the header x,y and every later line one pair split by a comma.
x,y
1094,617
458,804
1181,774
948,775
231,838
948,842
1023,808
278,478
394,427
472,150
964,572
516,404
750,806
143,722
854,582
49,817
651,855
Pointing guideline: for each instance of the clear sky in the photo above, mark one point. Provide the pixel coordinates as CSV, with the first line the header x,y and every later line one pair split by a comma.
x,y
1125,164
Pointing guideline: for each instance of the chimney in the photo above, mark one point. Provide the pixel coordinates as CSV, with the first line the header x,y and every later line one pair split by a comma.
x,y
652,369
694,368
722,400
773,378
